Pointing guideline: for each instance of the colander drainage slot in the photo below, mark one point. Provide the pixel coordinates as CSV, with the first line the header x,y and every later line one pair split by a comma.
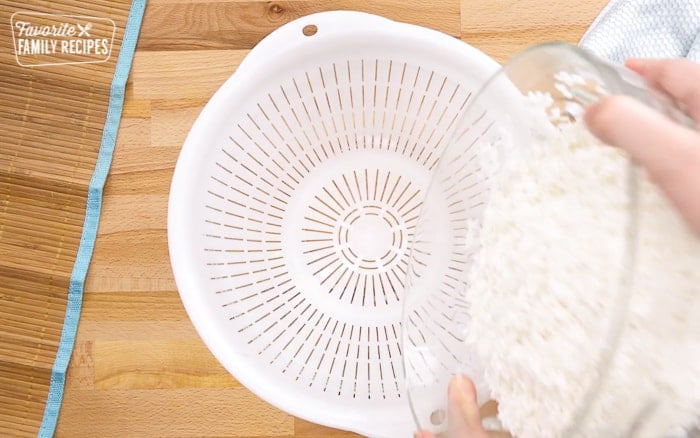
x,y
437,417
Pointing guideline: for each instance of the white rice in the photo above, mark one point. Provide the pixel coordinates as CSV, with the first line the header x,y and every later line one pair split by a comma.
x,y
544,289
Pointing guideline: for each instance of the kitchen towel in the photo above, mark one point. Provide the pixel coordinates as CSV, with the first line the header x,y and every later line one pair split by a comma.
x,y
646,29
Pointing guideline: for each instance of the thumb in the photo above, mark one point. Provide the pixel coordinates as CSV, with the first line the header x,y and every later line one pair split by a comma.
x,y
669,152
464,417
653,141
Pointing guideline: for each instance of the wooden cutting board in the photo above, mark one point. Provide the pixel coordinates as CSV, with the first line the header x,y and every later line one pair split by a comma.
x,y
139,369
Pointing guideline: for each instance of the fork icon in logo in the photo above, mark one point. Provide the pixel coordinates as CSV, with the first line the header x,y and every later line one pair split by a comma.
x,y
84,30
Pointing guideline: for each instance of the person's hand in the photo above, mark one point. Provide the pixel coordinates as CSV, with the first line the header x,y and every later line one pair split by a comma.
x,y
463,415
668,151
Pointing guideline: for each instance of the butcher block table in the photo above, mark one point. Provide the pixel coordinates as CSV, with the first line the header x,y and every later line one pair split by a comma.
x,y
139,368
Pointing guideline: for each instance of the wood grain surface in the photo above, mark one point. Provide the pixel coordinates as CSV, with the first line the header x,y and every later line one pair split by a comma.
x,y
52,113
139,369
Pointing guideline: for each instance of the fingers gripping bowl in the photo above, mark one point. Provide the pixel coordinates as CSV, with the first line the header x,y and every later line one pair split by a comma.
x,y
543,281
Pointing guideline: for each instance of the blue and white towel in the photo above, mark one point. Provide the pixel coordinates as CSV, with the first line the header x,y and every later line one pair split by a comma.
x,y
646,29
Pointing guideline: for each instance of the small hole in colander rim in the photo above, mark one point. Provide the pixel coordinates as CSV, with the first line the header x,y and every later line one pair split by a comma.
x,y
309,30
437,417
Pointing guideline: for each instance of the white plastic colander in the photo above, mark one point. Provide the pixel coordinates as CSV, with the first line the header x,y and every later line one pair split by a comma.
x,y
294,202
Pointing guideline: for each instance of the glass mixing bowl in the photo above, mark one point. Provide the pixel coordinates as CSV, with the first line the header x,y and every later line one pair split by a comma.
x,y
498,126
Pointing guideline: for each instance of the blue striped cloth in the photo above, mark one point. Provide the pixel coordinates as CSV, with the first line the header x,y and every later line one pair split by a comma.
x,y
92,217
646,29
